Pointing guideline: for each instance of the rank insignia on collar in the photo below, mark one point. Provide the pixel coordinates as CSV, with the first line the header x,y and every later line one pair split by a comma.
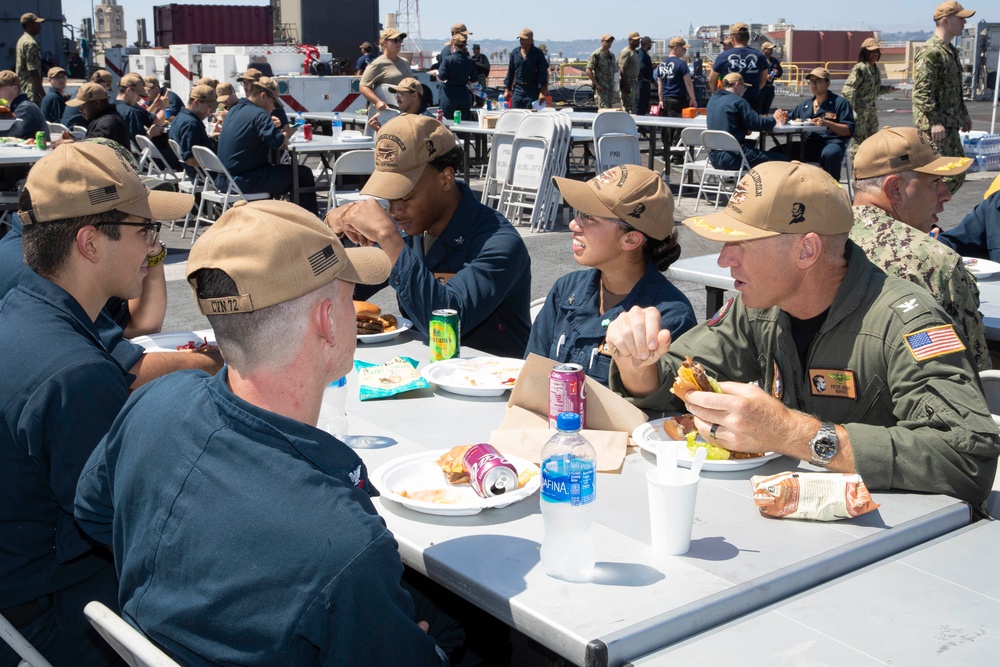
x,y
721,315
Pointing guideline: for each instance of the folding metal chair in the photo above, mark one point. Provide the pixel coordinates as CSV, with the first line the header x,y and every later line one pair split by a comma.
x,y
384,116
722,180
500,142
187,184
212,196
154,164
352,163
695,159
616,138
30,657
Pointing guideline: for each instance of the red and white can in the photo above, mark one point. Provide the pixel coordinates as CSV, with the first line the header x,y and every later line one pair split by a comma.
x,y
567,392
307,132
490,474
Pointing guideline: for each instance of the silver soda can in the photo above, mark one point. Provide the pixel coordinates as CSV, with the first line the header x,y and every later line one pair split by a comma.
x,y
490,474
567,392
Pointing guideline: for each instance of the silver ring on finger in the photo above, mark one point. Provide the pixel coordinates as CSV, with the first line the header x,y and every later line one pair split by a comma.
x,y
711,432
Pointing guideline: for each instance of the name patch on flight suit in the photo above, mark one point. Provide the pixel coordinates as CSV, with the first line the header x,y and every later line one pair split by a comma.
x,y
832,383
830,115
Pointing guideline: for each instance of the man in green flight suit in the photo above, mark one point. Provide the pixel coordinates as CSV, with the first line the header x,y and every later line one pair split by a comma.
x,y
901,403
938,105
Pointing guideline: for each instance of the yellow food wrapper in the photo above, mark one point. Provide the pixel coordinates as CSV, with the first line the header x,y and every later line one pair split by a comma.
x,y
813,496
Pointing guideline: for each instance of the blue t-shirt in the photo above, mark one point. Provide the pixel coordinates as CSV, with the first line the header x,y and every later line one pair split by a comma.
x,y
248,133
188,131
748,62
671,72
245,537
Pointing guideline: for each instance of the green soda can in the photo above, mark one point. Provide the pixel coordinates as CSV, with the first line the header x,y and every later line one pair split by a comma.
x,y
457,117
41,140
445,334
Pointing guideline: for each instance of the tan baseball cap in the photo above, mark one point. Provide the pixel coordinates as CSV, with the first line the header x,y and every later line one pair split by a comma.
x,y
250,75
56,71
766,45
732,79
367,46
207,81
607,37
635,195
407,85
634,35
85,178
9,78
204,94
31,18
101,75
88,92
151,81
403,148
943,10
134,82
460,28
892,150
526,33
224,91
677,41
739,27
391,33
270,86
871,44
779,198
276,251
818,73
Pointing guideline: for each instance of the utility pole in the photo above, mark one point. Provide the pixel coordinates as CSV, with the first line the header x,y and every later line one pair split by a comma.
x,y
408,21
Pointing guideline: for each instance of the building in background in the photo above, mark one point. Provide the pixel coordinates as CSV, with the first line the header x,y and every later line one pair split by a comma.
x,y
109,25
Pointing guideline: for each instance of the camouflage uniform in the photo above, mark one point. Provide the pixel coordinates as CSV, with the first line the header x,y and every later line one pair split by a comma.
x,y
902,251
29,58
602,64
937,99
629,62
862,90
914,425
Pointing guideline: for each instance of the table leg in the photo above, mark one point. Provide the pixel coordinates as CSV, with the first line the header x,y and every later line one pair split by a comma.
x,y
295,176
468,169
713,300
652,148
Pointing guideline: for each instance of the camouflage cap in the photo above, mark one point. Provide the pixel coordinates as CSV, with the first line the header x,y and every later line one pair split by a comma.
x,y
779,198
403,148
276,251
633,194
88,92
892,150
952,8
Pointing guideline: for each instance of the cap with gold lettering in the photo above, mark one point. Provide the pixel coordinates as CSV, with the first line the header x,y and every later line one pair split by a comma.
x,y
892,150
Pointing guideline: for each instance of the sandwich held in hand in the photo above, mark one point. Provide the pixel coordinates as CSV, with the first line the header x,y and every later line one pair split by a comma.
x,y
371,320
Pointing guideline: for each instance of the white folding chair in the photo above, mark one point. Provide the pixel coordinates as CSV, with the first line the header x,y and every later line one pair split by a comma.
x,y
189,185
695,160
384,116
991,390
720,180
352,163
155,165
387,95
56,130
80,128
529,173
130,644
616,138
212,196
535,307
496,167
30,657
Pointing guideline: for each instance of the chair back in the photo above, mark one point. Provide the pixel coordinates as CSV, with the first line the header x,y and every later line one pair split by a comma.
x,y
384,116
691,137
614,150
130,644
717,140
155,164
212,166
56,130
614,122
387,95
351,163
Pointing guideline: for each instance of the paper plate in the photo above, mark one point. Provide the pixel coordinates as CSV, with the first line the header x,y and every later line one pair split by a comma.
x,y
7,123
981,268
402,324
351,139
648,435
476,376
420,472
169,342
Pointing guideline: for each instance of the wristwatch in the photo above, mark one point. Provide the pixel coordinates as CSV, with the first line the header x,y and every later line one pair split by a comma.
x,y
158,258
824,445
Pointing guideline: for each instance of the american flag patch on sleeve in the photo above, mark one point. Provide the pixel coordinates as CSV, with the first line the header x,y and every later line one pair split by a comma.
x,y
933,342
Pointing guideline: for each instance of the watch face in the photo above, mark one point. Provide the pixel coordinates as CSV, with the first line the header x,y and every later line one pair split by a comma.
x,y
825,447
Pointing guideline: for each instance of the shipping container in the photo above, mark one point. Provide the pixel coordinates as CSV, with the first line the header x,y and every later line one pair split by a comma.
x,y
213,24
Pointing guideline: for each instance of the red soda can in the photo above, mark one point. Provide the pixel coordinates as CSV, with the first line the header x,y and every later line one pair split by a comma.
x,y
490,474
440,115
307,132
567,392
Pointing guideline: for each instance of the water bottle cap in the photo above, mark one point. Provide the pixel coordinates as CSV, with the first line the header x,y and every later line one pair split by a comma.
x,y
568,421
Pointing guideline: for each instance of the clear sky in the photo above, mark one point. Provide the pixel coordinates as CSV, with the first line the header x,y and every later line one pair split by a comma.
x,y
582,19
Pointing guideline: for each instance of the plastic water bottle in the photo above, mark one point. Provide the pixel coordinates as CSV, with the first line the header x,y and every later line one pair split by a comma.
x,y
569,485
333,413
501,102
337,126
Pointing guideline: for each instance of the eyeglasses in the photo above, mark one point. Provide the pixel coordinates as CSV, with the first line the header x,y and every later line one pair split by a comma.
x,y
395,40
150,229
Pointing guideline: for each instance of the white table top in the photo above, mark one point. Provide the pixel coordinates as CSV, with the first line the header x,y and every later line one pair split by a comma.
x,y
937,604
14,155
324,144
739,561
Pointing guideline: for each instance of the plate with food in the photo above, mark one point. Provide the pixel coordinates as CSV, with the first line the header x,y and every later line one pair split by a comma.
x,y
374,326
981,268
176,341
475,376
436,482
797,121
